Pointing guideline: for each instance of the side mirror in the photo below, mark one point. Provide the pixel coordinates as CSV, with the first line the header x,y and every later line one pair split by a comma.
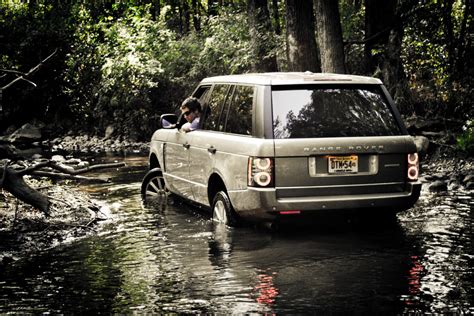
x,y
168,121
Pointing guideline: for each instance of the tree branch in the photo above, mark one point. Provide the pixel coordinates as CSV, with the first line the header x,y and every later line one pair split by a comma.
x,y
399,22
65,176
32,70
13,71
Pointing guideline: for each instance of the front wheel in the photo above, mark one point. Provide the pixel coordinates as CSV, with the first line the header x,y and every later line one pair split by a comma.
x,y
153,185
222,210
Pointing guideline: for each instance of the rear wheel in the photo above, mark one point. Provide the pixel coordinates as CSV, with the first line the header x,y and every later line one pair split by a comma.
x,y
153,185
222,210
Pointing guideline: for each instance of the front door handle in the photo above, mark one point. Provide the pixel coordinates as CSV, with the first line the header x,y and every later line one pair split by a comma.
x,y
186,146
212,150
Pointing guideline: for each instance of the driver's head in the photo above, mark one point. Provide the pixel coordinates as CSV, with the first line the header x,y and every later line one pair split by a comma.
x,y
191,108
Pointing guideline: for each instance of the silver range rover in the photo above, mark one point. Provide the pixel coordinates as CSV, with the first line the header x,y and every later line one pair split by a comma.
x,y
276,145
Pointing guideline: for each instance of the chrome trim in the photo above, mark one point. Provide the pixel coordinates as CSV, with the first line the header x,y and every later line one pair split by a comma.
x,y
392,165
340,186
338,198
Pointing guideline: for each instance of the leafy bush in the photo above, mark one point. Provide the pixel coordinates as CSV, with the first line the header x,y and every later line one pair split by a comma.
x,y
113,72
465,141
438,63
126,71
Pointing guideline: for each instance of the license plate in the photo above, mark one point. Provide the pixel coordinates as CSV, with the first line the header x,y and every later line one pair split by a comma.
x,y
343,164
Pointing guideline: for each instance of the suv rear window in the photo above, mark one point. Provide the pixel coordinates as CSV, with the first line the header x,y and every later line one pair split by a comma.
x,y
331,111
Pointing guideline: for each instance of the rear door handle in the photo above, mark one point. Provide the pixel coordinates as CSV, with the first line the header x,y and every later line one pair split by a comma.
x,y
212,150
186,146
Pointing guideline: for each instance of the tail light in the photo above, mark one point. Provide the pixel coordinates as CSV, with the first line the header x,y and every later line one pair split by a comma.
x,y
413,167
260,172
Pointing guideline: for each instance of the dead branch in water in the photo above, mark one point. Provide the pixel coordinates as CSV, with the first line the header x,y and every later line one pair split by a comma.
x,y
12,180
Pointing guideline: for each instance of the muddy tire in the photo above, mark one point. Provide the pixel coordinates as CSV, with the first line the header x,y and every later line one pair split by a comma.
x,y
153,185
222,210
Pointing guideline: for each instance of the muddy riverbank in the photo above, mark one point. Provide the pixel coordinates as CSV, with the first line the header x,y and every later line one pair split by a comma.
x,y
25,230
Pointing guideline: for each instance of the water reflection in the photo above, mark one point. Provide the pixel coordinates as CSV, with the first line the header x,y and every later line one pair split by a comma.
x,y
265,291
441,274
168,257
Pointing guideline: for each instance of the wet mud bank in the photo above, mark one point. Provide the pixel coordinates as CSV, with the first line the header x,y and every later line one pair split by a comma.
x,y
25,230
73,214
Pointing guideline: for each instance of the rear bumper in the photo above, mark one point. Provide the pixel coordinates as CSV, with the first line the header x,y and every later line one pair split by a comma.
x,y
264,204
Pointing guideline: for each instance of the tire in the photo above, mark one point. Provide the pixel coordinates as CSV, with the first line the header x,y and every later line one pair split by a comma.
x,y
222,210
153,185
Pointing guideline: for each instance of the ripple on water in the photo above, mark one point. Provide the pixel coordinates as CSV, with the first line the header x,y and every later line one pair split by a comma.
x,y
441,226
170,258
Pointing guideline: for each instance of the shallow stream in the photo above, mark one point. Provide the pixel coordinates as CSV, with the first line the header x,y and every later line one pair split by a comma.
x,y
170,257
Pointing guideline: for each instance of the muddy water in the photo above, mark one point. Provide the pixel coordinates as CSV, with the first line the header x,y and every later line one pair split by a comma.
x,y
170,257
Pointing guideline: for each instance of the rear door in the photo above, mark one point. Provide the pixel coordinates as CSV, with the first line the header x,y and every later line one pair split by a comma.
x,y
338,139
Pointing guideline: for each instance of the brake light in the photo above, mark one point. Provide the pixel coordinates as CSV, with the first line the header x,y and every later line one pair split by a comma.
x,y
292,212
413,167
260,172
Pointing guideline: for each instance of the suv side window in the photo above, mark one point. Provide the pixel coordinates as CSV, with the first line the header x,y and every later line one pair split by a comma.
x,y
202,94
239,114
214,108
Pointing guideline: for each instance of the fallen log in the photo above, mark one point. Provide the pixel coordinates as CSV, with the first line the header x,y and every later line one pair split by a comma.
x,y
12,180
65,176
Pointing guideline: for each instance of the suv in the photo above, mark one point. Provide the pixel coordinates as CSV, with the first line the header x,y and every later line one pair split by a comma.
x,y
274,145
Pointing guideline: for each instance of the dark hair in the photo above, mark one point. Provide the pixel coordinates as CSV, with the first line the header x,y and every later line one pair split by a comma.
x,y
192,104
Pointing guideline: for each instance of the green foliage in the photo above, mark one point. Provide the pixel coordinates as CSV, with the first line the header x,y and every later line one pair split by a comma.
x,y
127,70
124,63
465,141
83,64
435,55
353,29
29,32
129,74
225,46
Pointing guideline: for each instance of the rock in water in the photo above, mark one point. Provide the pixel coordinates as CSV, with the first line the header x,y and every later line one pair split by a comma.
x,y
422,143
438,186
109,131
25,134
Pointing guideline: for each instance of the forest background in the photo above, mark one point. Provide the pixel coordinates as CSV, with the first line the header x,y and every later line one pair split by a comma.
x,y
124,63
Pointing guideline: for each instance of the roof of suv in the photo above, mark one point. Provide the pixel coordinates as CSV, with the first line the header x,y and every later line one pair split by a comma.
x,y
290,78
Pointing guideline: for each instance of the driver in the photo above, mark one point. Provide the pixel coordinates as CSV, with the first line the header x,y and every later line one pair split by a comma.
x,y
191,109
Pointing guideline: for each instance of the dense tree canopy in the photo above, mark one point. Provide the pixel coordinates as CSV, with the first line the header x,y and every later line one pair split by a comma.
x,y
123,63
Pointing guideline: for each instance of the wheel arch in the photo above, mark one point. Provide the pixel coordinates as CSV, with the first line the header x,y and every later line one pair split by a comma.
x,y
215,184
153,161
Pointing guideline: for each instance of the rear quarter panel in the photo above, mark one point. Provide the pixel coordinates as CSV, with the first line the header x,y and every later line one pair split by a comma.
x,y
229,161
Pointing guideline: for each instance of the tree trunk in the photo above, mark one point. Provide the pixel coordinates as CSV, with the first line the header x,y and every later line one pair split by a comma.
x,y
155,9
261,33
13,182
185,16
301,47
276,17
196,16
211,7
183,10
379,20
329,30
449,33
393,72
384,32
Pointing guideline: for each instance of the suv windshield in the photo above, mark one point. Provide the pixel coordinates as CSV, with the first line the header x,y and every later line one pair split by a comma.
x,y
331,111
